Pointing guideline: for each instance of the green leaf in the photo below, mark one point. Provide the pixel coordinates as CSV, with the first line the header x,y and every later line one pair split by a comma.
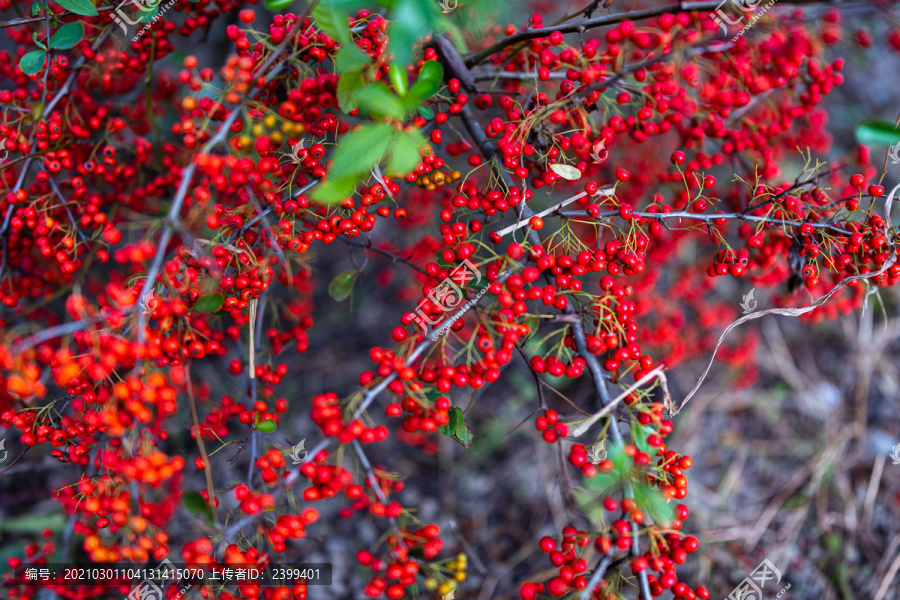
x,y
272,4
426,112
456,427
79,7
399,78
877,133
405,153
350,58
333,190
150,15
653,503
36,8
640,433
358,152
209,303
348,87
341,286
410,20
267,426
431,78
331,21
533,322
67,36
378,100
33,524
32,62
38,41
196,505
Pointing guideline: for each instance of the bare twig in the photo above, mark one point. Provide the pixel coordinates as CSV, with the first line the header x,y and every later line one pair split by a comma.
x,y
210,489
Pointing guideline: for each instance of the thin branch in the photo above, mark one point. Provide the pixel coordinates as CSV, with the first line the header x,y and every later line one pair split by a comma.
x,y
706,218
210,489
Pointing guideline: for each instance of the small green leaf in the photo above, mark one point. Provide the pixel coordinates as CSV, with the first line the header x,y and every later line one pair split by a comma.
x,y
32,62
79,7
406,151
196,505
272,4
533,322
350,58
36,8
331,22
426,112
348,87
341,286
67,36
456,427
399,78
267,426
209,303
38,40
431,77
378,100
877,133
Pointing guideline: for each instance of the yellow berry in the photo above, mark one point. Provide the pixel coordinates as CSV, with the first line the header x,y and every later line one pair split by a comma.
x,y
431,584
258,130
276,137
270,121
460,576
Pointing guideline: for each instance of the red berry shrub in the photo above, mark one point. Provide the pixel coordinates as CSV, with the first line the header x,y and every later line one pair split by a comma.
x,y
160,224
